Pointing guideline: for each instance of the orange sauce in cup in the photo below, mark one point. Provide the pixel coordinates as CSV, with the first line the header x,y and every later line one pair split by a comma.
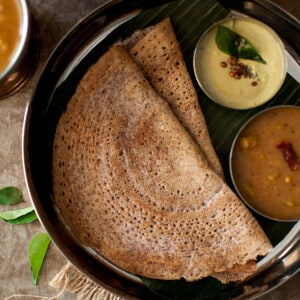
x,y
9,31
265,163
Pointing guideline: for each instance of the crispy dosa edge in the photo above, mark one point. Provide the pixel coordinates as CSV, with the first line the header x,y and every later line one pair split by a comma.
x,y
165,236
157,52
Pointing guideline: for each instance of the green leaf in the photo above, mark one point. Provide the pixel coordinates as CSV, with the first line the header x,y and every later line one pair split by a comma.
x,y
235,45
28,218
10,195
19,216
37,250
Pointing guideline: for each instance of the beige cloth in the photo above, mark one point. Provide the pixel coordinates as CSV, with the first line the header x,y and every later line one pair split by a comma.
x,y
70,280
71,285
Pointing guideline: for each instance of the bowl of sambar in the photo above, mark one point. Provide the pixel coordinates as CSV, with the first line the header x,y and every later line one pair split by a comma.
x,y
17,51
265,163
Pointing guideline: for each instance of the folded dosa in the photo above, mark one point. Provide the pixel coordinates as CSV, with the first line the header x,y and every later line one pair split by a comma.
x,y
158,54
132,184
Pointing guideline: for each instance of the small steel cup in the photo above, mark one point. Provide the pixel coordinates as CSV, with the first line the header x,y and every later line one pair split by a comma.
x,y
24,57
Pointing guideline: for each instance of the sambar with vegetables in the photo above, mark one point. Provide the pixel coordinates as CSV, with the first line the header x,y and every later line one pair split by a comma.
x,y
265,163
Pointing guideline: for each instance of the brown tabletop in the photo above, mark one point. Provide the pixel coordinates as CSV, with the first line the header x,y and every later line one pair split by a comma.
x,y
54,18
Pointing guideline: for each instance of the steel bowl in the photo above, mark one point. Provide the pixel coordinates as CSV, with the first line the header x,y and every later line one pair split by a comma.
x,y
234,176
228,91
24,56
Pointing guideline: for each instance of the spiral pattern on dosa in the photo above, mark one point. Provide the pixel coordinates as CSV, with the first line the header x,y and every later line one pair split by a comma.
x,y
132,184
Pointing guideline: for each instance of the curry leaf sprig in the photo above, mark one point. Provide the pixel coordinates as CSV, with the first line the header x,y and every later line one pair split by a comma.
x,y
40,242
230,42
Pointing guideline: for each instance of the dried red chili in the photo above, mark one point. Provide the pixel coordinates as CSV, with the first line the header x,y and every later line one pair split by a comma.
x,y
289,155
238,70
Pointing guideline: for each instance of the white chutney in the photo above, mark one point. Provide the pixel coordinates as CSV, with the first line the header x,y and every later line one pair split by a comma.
x,y
241,93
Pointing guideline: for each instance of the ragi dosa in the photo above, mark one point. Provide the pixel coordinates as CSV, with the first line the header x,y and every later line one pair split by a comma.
x,y
132,184
157,52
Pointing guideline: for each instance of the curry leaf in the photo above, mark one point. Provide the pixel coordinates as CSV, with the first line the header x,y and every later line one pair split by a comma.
x,y
37,250
19,216
25,219
235,45
10,195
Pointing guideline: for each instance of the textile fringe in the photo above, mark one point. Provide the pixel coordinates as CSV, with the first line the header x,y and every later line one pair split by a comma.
x,y
78,284
68,280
